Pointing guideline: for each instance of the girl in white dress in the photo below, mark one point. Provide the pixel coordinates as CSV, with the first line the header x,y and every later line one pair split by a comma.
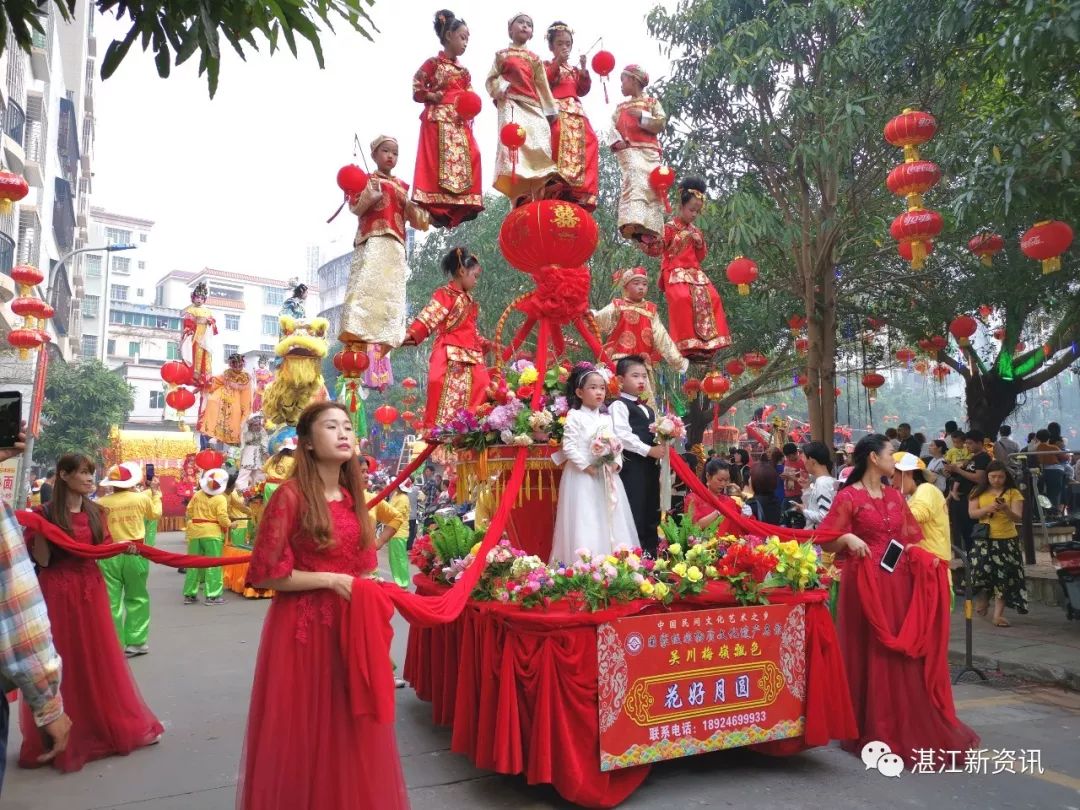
x,y
593,511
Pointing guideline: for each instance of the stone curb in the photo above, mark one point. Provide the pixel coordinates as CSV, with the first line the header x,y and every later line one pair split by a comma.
x,y
1067,677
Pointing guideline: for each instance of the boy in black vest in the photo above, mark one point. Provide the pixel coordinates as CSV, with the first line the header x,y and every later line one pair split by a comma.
x,y
641,466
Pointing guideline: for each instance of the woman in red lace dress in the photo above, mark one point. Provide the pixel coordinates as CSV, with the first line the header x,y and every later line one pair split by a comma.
x,y
573,143
446,181
893,627
696,319
305,748
107,711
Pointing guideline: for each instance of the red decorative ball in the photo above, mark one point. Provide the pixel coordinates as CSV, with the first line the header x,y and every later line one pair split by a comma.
x,y
512,136
352,179
917,225
603,62
548,233
468,105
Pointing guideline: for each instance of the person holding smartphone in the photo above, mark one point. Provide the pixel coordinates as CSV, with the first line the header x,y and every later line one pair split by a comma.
x,y
893,619
997,568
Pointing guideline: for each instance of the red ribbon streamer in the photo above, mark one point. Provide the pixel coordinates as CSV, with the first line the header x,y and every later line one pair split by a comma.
x,y
414,465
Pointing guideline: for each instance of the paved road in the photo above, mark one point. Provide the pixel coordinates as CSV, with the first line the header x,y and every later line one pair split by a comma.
x,y
198,676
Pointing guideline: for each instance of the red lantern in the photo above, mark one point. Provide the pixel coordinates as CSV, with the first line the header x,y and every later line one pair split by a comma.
x,y
836,393
796,323
351,363
13,187
1020,347
180,399
603,62
386,415
917,227
912,180
408,417
29,307
512,136
909,130
939,343
715,385
352,179
802,345
802,381
661,179
177,373
408,383
468,105
906,252
872,381
548,233
926,345
45,311
734,368
985,245
1046,241
27,275
409,400
692,387
962,328
941,371
921,367
905,355
743,272
756,362
999,333
209,459
985,311
24,340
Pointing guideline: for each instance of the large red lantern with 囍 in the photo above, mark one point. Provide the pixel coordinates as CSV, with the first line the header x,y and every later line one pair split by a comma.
x,y
910,130
351,363
352,179
734,367
603,62
661,179
176,372
962,328
1046,241
756,362
468,105
985,245
912,180
872,381
715,385
916,227
692,387
743,272
386,415
548,233
209,459
180,399
13,187
905,354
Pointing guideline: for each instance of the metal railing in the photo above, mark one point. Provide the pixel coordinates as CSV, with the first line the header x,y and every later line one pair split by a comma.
x,y
14,122
7,254
35,141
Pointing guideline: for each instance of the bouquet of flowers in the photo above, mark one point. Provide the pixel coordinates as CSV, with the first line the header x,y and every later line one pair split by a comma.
x,y
668,428
797,566
605,448
746,568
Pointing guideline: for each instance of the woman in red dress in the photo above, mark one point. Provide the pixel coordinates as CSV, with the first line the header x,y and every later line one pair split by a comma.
x,y
696,319
573,143
446,182
457,376
107,711
305,748
893,626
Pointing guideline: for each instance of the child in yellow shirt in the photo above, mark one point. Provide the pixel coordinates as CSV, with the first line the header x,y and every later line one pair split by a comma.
x,y
208,521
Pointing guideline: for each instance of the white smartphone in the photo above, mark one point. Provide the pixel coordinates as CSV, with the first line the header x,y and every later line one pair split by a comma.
x,y
892,555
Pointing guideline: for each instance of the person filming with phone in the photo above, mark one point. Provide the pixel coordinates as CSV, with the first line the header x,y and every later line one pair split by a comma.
x,y
892,615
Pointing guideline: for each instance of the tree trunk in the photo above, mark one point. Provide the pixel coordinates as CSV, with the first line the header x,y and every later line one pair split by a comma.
x,y
990,400
820,299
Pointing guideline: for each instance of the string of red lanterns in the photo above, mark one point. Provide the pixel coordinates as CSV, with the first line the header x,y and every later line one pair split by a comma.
x,y
915,229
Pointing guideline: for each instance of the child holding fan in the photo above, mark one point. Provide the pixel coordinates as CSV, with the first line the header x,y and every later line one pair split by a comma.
x,y
594,513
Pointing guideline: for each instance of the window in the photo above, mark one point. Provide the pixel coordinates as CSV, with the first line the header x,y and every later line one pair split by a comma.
x,y
269,325
266,347
159,297
133,348
157,399
142,238
232,323
273,296
140,292
230,350
172,350
142,265
93,267
90,306
118,292
89,346
115,236
121,265
110,347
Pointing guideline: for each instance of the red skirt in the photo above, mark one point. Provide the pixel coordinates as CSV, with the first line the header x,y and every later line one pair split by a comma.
x,y
304,749
577,154
696,319
452,386
108,715
446,181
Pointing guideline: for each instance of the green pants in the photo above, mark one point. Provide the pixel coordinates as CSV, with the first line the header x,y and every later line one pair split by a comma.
x,y
209,578
151,532
399,560
125,579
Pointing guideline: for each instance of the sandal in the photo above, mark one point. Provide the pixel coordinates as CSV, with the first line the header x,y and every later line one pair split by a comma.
x,y
982,606
1001,622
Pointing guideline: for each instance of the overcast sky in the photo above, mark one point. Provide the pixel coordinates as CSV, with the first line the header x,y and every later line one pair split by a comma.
x,y
245,182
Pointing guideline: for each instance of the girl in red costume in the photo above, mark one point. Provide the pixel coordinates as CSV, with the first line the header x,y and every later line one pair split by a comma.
x,y
573,143
305,748
108,715
893,626
457,376
446,182
696,319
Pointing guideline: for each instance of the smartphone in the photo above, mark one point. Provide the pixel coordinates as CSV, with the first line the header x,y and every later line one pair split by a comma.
x,y
10,417
999,499
149,473
892,555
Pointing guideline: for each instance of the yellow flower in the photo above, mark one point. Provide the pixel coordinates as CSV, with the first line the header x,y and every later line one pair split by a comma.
x,y
675,549
528,376
679,569
647,588
610,560
693,573
711,572
660,590
475,549
660,565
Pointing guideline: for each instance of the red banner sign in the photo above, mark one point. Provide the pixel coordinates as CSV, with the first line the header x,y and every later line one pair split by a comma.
x,y
679,684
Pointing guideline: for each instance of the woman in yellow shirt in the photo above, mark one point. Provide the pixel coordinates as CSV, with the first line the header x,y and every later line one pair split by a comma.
x,y
996,565
927,505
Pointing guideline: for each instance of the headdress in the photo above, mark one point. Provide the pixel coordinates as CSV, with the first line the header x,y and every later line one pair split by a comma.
x,y
584,368
124,476
637,72
628,274
214,482
380,140
694,192
556,27
200,289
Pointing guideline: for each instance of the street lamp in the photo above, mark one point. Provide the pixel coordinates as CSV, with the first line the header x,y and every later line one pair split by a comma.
x,y
28,455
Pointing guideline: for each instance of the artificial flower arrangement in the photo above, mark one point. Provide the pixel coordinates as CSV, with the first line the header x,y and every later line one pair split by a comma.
x,y
668,428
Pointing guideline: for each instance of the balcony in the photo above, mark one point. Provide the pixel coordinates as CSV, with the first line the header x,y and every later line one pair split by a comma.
x,y
83,212
28,248
34,151
14,132
63,215
40,47
88,94
7,253
67,141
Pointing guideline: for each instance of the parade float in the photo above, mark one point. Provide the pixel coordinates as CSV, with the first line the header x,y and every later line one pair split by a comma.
x,y
172,456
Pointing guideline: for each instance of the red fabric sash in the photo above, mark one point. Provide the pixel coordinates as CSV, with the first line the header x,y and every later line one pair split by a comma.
x,y
413,467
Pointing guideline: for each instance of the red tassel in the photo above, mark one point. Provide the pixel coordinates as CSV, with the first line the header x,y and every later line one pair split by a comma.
x,y
603,81
513,166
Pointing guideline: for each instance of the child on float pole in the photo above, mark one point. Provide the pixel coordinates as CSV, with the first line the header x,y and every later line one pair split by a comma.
x,y
125,575
640,472
208,522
